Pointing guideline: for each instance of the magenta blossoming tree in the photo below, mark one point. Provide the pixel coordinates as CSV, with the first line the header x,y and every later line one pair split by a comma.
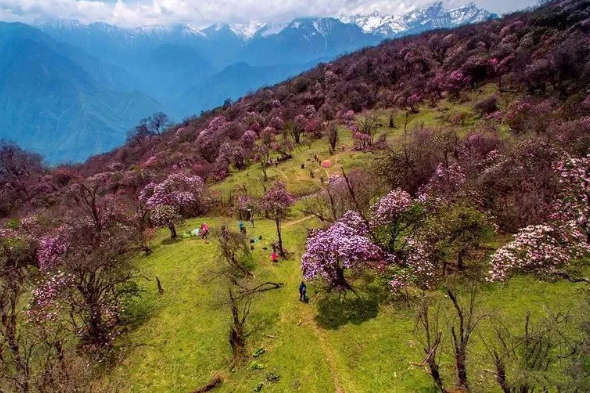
x,y
539,249
391,216
573,203
276,203
48,299
389,208
248,140
170,200
344,245
50,251
446,181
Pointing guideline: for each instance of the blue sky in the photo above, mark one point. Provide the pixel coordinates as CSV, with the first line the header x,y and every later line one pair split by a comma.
x,y
203,12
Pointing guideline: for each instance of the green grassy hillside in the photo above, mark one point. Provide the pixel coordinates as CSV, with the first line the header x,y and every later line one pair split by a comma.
x,y
358,343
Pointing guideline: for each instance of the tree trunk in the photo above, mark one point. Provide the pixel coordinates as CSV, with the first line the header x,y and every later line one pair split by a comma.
x,y
340,280
159,284
461,368
265,176
501,374
460,258
173,233
435,374
280,245
237,339
96,333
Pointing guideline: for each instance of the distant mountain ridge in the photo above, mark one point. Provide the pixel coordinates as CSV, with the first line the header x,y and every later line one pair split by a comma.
x,y
56,100
70,90
433,17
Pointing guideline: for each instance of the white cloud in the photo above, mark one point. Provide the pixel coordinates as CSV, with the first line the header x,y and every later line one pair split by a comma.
x,y
203,12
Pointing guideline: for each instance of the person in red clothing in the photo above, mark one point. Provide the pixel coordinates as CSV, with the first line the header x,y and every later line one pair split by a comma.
x,y
273,256
204,230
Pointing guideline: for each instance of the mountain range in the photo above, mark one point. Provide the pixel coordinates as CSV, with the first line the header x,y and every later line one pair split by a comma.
x,y
69,90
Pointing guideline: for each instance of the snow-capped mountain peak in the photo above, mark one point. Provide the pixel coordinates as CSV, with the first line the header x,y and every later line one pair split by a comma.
x,y
247,31
417,20
375,23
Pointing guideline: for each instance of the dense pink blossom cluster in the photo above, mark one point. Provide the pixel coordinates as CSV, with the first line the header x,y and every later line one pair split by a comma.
x,y
539,249
389,207
277,123
163,215
50,251
419,258
248,140
400,280
348,116
330,251
276,200
177,190
574,201
456,81
45,304
444,181
354,220
309,110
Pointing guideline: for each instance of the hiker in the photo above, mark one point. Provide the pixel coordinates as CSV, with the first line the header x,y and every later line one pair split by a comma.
x,y
322,179
242,227
311,175
302,292
204,231
273,257
224,232
250,217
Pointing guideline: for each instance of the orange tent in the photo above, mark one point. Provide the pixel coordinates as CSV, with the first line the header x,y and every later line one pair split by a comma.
x,y
326,164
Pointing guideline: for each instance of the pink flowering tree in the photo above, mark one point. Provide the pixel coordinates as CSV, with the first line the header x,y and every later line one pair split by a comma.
x,y
445,182
263,154
248,140
392,216
85,273
277,123
420,265
544,250
276,203
456,81
176,196
549,248
573,201
344,245
94,248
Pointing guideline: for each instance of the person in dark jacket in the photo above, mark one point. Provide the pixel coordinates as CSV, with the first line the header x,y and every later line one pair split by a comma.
x,y
302,291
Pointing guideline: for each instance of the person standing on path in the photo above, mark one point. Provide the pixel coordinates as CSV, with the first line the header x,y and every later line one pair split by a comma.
x,y
302,291
251,217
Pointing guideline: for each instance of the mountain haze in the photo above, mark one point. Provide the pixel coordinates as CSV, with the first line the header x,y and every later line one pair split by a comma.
x,y
70,90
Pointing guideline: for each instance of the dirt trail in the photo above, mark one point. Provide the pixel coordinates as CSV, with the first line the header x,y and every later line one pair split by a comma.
x,y
291,223
307,318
